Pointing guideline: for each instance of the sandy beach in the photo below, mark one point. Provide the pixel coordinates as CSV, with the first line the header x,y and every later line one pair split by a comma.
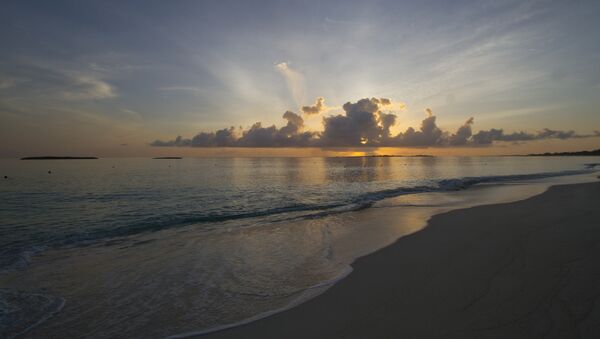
x,y
527,269
306,169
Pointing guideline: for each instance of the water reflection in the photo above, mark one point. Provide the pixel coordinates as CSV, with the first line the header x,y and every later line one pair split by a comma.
x,y
173,246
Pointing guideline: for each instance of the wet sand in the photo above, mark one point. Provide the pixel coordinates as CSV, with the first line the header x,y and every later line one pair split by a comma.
x,y
528,269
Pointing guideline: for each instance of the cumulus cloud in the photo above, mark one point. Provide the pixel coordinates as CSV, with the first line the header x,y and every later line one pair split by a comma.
x,y
364,123
488,137
429,134
382,101
290,135
463,134
317,108
385,101
179,141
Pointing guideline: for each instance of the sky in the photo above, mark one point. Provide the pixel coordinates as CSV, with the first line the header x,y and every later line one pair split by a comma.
x,y
193,78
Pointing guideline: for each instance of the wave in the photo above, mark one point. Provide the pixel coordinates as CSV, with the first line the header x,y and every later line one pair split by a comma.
x,y
457,184
591,165
210,222
364,201
445,185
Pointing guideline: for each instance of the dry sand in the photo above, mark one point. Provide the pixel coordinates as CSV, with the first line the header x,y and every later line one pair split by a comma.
x,y
528,269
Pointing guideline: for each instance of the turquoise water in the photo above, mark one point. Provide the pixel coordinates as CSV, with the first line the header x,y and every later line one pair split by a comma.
x,y
207,241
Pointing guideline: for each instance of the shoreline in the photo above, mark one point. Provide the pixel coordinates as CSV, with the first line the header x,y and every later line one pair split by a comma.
x,y
376,302
371,230
432,210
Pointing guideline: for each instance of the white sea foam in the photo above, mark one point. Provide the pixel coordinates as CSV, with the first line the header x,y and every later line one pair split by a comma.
x,y
303,297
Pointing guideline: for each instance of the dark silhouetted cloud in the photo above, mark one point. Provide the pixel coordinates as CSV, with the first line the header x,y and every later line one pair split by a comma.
x,y
463,134
290,135
317,108
362,124
179,141
488,137
428,135
385,101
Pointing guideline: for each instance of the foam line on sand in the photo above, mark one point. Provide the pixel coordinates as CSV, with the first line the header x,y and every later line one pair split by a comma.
x,y
527,269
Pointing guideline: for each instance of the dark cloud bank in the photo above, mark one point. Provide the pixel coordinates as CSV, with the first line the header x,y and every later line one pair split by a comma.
x,y
364,124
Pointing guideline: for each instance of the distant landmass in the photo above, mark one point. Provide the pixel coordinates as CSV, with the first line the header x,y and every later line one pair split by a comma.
x,y
168,158
386,156
57,158
399,156
562,154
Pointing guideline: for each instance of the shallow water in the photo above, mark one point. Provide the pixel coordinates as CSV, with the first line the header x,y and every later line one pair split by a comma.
x,y
152,248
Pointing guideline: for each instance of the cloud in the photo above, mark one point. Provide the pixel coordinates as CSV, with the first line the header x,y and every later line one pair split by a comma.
x,y
131,113
39,81
225,137
7,83
294,80
428,134
84,87
385,101
179,141
489,136
295,123
290,135
318,107
187,89
463,134
363,124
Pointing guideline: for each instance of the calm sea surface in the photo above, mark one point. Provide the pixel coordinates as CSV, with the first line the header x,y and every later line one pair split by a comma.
x,y
143,247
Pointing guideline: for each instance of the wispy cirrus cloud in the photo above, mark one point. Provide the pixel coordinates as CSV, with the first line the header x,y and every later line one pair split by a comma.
x,y
35,80
8,83
183,89
294,80
87,87
129,113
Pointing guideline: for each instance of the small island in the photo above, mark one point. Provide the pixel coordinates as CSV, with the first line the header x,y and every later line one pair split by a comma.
x,y
399,156
168,158
57,158
567,154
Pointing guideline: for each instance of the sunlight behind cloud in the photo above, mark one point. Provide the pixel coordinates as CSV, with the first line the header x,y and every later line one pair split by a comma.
x,y
520,66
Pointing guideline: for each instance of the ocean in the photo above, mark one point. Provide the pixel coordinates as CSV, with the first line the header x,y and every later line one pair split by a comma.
x,y
132,247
